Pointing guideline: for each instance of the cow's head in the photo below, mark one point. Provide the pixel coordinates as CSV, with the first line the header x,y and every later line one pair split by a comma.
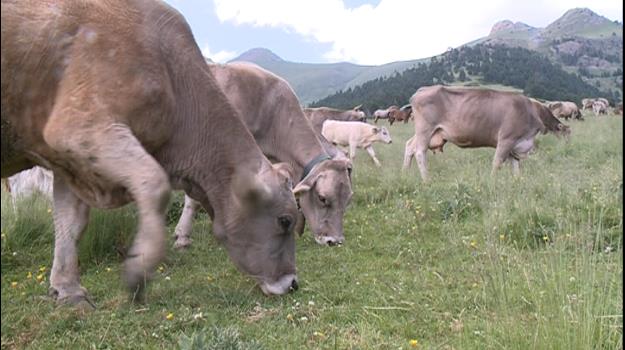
x,y
382,134
323,196
257,230
563,130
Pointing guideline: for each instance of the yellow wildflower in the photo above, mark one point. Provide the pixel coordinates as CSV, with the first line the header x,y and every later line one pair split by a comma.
x,y
29,275
473,244
40,277
289,317
49,210
42,268
161,269
108,269
413,343
209,278
13,284
170,316
502,237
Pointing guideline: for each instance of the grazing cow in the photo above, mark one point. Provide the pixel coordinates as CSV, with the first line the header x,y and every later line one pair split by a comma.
x,y
271,111
117,100
618,109
565,109
400,114
587,103
29,182
600,106
355,135
320,114
477,118
382,113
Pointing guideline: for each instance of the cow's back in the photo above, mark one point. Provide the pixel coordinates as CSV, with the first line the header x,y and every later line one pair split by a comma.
x,y
58,51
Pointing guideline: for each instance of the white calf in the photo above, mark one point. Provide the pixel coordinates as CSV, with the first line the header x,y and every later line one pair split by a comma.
x,y
355,135
27,182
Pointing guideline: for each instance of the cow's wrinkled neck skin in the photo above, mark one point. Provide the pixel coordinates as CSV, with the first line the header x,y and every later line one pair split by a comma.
x,y
233,148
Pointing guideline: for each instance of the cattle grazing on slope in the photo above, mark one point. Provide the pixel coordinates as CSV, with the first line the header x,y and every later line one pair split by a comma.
x,y
355,135
600,106
565,110
320,114
382,113
400,114
271,111
477,118
122,107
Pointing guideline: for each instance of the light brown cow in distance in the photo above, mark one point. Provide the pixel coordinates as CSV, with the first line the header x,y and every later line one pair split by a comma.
x,y
320,114
400,114
116,98
355,135
565,110
272,113
477,118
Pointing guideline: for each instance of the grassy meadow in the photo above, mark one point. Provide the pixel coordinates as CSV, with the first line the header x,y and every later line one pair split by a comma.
x,y
467,261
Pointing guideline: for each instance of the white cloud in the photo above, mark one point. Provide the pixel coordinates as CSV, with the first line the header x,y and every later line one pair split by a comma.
x,y
397,29
221,56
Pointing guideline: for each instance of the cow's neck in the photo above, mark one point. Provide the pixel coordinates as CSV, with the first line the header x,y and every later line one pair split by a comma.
x,y
305,145
209,143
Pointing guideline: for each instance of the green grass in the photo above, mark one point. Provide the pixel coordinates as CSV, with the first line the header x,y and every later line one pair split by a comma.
x,y
467,261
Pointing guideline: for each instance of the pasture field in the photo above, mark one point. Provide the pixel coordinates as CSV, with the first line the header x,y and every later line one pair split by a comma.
x,y
467,261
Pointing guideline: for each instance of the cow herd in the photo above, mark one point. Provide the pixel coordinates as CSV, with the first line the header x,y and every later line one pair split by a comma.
x,y
119,103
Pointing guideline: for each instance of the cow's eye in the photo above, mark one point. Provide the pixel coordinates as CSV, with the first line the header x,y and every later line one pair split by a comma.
x,y
324,200
285,221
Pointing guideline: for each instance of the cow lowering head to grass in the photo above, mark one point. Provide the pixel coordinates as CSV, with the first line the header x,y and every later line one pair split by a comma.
x,y
116,99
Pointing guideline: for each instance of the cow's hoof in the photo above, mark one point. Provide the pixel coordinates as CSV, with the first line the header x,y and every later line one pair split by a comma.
x,y
136,283
182,242
79,300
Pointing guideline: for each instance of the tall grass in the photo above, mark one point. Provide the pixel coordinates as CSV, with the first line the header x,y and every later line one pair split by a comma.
x,y
466,261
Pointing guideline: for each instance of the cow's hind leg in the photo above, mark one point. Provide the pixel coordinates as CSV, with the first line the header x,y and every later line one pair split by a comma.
x,y
502,153
70,219
182,233
371,152
115,155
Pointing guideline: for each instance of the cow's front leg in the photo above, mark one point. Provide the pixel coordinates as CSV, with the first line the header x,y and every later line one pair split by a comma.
x,y
70,220
352,151
409,152
182,233
371,152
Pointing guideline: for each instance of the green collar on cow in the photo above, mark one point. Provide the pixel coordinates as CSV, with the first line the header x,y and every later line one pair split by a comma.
x,y
318,159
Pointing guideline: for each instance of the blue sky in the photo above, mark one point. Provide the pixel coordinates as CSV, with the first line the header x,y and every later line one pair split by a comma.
x,y
361,31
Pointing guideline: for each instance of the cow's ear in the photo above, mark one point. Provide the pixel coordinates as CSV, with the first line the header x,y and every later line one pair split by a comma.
x,y
250,189
375,130
306,184
286,170
300,189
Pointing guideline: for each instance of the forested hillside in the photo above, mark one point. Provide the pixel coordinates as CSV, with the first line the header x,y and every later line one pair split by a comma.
x,y
483,64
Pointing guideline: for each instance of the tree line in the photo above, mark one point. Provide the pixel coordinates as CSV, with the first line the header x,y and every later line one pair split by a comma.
x,y
527,70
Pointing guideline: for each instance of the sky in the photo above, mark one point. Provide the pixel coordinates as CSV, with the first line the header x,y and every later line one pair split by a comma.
x,y
367,32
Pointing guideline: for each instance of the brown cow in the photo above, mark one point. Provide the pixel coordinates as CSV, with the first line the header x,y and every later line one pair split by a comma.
x,y
117,100
565,109
382,113
477,118
271,111
320,114
400,114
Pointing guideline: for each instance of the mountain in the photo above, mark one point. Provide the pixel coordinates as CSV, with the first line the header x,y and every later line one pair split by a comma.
x,y
580,41
312,81
495,66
